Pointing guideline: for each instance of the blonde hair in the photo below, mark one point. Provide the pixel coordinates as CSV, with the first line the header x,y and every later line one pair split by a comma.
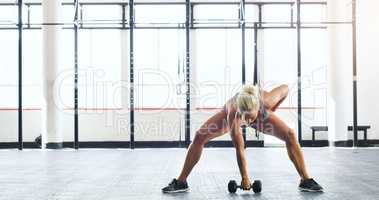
x,y
248,99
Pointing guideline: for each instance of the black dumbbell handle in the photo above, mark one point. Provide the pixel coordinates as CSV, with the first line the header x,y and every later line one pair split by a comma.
x,y
240,186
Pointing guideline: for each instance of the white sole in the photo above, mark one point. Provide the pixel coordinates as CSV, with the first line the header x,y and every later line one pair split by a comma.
x,y
177,191
309,190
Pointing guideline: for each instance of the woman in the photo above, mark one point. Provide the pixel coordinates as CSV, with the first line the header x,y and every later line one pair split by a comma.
x,y
253,108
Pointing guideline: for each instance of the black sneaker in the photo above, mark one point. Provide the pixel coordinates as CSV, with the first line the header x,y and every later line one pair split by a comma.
x,y
310,185
175,186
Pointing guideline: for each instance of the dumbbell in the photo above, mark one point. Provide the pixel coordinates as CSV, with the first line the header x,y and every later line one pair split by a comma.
x,y
256,186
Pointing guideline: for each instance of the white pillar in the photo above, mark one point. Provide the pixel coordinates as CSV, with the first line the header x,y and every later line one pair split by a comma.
x,y
52,136
340,95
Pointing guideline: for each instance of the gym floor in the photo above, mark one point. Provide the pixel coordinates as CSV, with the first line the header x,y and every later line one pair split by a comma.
x,y
345,173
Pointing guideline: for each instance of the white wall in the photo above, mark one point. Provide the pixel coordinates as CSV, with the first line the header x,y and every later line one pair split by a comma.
x,y
108,125
368,65
31,125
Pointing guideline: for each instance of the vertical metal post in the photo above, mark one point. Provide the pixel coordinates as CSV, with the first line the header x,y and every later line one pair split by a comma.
x,y
256,25
20,107
355,105
191,14
242,25
76,97
298,29
188,73
123,16
256,71
243,59
131,70
255,53
260,15
28,16
81,15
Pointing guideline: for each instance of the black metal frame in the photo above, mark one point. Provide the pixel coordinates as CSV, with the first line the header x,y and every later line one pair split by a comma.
x,y
76,76
131,71
298,29
355,103
255,80
122,23
189,24
20,107
174,3
174,28
243,58
188,75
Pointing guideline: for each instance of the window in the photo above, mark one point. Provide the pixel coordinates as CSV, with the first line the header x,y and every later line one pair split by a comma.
x,y
251,13
9,68
8,84
277,15
157,64
32,68
8,15
68,14
216,15
315,76
100,66
312,15
35,15
158,70
162,15
218,65
102,15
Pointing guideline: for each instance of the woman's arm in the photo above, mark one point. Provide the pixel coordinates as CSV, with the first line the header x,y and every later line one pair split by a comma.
x,y
239,144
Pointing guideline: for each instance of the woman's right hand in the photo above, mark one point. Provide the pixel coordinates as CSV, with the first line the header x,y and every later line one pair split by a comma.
x,y
245,183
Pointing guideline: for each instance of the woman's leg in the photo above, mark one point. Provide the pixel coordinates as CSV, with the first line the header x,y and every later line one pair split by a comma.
x,y
213,127
276,127
275,97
